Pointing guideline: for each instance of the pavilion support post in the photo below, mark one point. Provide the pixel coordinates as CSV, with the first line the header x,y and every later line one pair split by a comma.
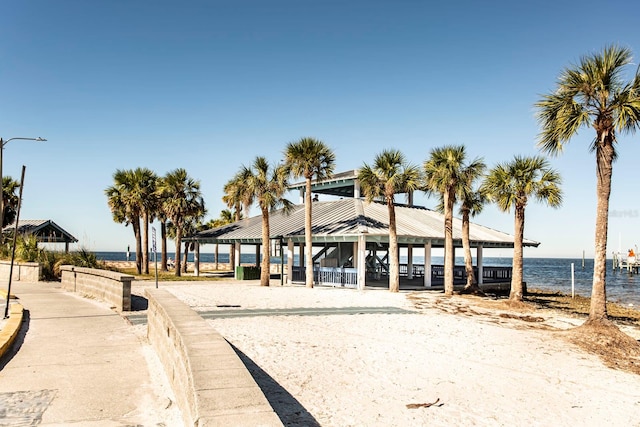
x,y
410,262
362,261
196,260
427,264
355,255
479,264
237,252
66,247
258,255
302,196
289,261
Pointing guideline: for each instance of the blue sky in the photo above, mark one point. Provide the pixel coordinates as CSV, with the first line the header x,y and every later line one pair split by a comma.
x,y
209,85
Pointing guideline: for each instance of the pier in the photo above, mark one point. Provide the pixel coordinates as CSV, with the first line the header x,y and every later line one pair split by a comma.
x,y
629,263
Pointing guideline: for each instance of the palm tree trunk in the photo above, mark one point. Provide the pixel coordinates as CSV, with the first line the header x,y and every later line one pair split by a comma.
x,y
516,273
308,243
178,247
604,160
145,242
448,242
185,257
265,266
163,237
136,231
472,285
394,262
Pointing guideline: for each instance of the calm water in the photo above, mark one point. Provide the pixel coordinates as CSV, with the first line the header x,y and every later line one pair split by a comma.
x,y
542,273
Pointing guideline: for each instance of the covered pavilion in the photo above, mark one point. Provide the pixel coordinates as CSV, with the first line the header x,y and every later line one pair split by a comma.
x,y
351,239
44,230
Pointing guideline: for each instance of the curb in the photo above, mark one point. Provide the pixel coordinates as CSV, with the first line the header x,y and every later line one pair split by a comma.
x,y
11,328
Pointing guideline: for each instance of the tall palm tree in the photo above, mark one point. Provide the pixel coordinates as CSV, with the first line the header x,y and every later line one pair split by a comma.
x,y
471,203
125,206
309,158
181,200
266,186
144,191
594,94
447,174
388,175
513,184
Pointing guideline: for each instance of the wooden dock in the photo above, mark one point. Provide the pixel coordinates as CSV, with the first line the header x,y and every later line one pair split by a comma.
x,y
629,263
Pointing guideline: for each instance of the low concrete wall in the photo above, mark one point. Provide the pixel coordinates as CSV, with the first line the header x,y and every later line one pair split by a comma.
x,y
211,384
105,285
23,271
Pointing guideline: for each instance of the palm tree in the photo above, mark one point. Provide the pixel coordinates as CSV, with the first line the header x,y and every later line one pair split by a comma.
x,y
265,185
309,158
471,204
10,203
593,94
389,174
513,184
125,206
181,200
446,173
144,191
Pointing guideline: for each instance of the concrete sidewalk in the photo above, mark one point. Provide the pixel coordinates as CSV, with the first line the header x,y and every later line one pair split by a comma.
x,y
77,362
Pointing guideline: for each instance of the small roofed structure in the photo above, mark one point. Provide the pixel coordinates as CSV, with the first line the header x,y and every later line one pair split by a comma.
x,y
44,230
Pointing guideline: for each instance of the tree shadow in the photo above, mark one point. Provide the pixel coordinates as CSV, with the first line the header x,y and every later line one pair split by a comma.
x,y
17,344
288,408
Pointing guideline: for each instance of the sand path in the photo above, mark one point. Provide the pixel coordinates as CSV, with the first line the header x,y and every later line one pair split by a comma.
x,y
425,366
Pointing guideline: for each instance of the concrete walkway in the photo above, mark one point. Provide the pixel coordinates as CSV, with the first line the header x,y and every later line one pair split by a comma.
x,y
78,363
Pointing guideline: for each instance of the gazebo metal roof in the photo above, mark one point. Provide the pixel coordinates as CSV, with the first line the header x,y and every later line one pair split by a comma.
x,y
45,231
346,219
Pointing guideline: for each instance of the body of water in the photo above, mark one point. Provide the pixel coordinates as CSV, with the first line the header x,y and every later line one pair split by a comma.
x,y
541,273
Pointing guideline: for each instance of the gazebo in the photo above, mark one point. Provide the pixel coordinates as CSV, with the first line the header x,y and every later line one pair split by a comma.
x,y
351,239
45,231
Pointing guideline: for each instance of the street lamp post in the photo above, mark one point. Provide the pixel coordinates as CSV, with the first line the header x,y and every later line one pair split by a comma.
x,y
2,144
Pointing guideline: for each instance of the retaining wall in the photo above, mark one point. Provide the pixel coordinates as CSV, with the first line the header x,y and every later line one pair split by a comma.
x,y
23,271
105,285
211,384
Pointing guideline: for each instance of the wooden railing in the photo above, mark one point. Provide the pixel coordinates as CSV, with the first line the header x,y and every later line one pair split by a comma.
x,y
348,277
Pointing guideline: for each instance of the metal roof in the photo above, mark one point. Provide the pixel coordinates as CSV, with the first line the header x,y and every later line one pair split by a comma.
x,y
45,230
346,219
340,184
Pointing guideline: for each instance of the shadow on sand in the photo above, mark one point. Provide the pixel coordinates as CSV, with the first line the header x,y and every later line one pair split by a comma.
x,y
287,407
139,303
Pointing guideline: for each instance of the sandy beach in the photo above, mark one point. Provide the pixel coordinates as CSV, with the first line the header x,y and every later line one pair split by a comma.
x,y
423,360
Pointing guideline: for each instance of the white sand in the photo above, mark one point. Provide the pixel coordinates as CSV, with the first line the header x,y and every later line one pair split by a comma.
x,y
364,369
